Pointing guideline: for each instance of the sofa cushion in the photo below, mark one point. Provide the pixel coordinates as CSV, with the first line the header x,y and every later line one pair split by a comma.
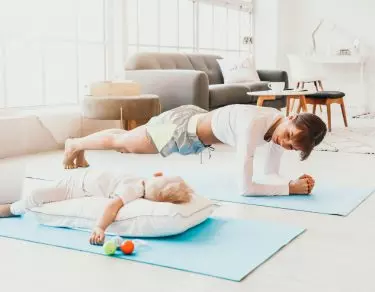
x,y
257,86
224,94
207,64
146,61
238,70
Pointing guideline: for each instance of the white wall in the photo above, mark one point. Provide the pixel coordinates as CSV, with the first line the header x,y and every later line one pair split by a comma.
x,y
266,36
294,21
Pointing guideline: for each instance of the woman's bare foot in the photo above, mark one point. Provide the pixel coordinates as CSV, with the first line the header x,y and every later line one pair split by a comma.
x,y
81,160
5,211
70,154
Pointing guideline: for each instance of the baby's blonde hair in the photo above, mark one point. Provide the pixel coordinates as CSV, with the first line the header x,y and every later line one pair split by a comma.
x,y
174,192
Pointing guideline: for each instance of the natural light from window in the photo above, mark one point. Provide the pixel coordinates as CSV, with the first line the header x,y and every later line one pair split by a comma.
x,y
51,50
186,26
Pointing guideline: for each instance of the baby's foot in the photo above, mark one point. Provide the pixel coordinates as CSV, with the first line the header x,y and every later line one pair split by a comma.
x,y
81,160
70,154
5,211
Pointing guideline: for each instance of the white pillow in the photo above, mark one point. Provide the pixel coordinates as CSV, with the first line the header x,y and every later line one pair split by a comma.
x,y
139,218
238,70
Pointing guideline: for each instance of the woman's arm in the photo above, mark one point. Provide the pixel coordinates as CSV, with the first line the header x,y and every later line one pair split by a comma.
x,y
303,185
109,215
246,145
273,159
245,151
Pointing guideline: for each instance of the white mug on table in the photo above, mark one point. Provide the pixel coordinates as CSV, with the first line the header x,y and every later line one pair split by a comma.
x,y
276,86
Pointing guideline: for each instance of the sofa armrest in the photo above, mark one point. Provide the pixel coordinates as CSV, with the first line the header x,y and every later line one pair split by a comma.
x,y
174,87
274,76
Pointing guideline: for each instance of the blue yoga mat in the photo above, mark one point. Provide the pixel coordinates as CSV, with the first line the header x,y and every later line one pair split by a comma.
x,y
325,198
333,198
228,249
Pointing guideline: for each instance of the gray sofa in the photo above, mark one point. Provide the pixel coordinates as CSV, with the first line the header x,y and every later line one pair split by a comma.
x,y
179,79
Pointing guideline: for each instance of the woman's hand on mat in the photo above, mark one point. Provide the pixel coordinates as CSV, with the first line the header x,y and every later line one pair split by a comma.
x,y
97,236
299,187
310,181
307,176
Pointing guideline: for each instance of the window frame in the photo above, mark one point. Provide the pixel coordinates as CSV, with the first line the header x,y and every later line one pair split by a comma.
x,y
116,44
196,47
45,41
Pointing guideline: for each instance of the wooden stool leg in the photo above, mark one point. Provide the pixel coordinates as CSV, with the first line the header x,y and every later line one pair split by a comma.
x,y
132,124
303,104
293,100
260,101
321,89
314,108
299,108
287,105
342,105
125,124
299,100
328,104
129,124
292,105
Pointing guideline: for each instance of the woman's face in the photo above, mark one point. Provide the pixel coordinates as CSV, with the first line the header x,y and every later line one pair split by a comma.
x,y
284,134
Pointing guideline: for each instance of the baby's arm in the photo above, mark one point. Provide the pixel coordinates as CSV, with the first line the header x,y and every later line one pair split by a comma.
x,y
109,215
128,190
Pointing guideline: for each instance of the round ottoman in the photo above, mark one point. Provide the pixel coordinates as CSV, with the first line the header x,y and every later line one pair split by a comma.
x,y
133,111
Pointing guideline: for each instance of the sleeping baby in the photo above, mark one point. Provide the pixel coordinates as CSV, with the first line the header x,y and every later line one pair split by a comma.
x,y
121,188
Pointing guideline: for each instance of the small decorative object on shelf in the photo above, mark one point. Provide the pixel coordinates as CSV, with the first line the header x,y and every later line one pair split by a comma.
x,y
344,52
247,40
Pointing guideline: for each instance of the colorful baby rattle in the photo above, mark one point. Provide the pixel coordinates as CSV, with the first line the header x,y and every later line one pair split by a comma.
x,y
126,246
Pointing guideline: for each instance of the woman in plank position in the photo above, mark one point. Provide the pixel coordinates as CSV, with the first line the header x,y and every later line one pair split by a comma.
x,y
189,129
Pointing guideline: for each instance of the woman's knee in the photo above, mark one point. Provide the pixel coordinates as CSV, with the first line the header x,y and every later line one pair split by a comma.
x,y
135,141
111,141
119,142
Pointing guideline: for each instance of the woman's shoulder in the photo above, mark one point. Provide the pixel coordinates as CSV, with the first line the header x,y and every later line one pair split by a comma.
x,y
251,109
254,113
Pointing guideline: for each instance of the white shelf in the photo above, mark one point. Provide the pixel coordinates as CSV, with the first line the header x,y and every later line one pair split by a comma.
x,y
336,59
